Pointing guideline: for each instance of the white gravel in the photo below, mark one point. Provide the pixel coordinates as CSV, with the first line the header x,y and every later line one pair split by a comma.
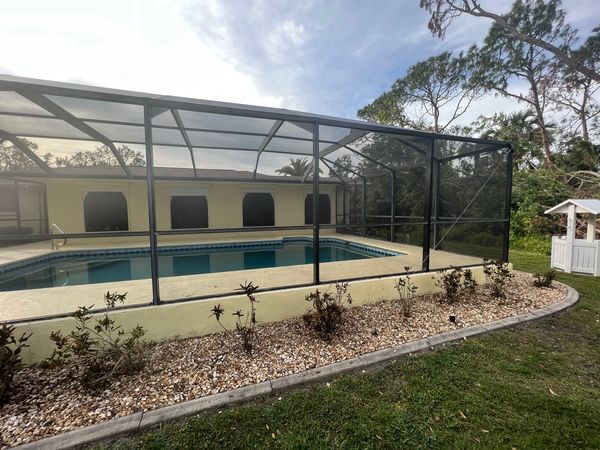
x,y
43,404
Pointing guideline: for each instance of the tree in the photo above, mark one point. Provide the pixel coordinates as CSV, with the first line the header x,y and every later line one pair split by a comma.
x,y
575,92
388,109
503,59
296,168
12,158
440,85
443,13
520,128
342,167
579,155
102,156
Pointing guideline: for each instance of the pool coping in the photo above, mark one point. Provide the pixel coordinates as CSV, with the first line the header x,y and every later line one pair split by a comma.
x,y
52,256
140,421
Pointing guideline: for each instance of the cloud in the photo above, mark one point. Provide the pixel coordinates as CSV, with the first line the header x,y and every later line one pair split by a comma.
x,y
144,46
330,57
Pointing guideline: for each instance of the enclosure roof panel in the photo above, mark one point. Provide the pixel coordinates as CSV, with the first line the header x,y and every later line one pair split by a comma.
x,y
114,172
54,88
582,206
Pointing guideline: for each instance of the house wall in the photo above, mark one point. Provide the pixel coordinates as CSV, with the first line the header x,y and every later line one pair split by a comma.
x,y
193,318
66,197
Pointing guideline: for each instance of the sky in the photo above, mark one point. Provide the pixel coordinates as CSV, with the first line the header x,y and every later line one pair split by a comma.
x,y
324,56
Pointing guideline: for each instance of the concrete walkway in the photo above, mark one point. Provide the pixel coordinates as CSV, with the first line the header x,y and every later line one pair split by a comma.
x,y
31,303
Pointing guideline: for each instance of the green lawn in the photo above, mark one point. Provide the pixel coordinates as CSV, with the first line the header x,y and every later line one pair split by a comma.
x,y
534,387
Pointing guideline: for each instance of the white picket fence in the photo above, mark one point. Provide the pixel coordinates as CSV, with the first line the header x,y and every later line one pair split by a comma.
x,y
582,256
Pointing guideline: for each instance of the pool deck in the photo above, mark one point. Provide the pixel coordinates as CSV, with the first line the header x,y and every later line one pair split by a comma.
x,y
15,305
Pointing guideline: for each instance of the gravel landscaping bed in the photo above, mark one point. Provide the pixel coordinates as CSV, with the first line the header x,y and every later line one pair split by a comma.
x,y
44,404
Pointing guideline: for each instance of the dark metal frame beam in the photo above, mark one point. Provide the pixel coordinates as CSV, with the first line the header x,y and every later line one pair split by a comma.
x,y
393,187
351,137
491,148
28,152
507,202
427,208
272,132
151,206
333,171
316,231
186,138
58,111
413,146
8,82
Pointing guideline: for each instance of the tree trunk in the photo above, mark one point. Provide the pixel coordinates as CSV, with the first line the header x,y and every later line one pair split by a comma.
x,y
584,127
583,116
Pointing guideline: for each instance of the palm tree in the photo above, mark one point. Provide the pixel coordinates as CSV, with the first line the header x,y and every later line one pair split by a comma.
x,y
296,168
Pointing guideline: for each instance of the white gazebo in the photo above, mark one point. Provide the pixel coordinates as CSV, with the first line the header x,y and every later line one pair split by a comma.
x,y
569,253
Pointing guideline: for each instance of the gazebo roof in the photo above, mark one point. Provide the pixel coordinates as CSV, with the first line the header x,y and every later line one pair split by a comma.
x,y
582,206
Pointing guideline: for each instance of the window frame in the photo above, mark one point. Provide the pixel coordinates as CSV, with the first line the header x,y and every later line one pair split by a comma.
x,y
188,195
306,222
108,190
257,192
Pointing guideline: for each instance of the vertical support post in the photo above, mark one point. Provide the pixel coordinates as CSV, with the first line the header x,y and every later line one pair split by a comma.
x,y
436,215
315,171
364,205
17,205
570,240
393,209
45,209
507,203
355,199
151,203
428,207
343,204
591,227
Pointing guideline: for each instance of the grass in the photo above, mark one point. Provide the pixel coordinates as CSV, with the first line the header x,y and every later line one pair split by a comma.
x,y
533,387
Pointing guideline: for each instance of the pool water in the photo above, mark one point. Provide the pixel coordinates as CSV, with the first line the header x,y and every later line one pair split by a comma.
x,y
76,268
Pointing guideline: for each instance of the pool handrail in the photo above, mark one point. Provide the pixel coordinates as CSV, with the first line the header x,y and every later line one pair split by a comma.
x,y
60,244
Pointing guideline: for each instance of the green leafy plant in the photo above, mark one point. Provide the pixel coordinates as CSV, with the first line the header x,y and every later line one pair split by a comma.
x,y
10,357
450,282
469,284
245,328
545,279
327,311
407,291
97,350
497,275
455,283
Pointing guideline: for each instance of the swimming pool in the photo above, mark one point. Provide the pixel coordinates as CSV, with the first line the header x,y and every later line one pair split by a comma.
x,y
70,268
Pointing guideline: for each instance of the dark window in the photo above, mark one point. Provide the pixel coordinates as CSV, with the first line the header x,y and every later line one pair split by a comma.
x,y
324,209
259,210
8,198
189,211
105,211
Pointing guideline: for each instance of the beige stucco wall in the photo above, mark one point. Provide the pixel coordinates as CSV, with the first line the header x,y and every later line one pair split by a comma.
x,y
192,318
65,201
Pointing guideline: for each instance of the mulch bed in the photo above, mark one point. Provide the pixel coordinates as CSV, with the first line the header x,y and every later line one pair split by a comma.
x,y
44,403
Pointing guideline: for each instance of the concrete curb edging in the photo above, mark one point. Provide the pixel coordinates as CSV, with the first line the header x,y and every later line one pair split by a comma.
x,y
122,426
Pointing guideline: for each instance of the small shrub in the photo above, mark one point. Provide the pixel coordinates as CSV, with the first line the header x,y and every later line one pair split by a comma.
x,y
469,284
407,292
456,283
497,275
450,282
545,279
327,310
10,357
245,328
98,350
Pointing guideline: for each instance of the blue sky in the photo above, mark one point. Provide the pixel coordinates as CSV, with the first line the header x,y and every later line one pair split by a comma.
x,y
330,57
